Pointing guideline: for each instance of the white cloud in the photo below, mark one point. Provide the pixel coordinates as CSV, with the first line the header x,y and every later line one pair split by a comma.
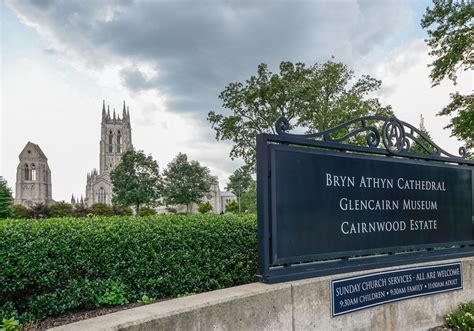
x,y
407,87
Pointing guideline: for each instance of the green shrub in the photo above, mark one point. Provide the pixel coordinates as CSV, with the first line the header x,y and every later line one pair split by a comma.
x,y
81,210
10,324
20,211
114,295
232,207
146,300
462,318
101,209
204,207
60,209
146,211
39,210
52,266
122,211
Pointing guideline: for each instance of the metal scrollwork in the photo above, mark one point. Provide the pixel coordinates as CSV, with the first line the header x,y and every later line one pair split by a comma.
x,y
393,136
397,136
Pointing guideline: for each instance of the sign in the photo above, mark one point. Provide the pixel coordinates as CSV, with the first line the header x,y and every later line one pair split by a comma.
x,y
330,204
326,205
360,292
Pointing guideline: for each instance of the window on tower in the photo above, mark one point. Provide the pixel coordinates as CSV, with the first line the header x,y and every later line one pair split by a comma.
x,y
119,141
101,195
27,172
111,141
33,172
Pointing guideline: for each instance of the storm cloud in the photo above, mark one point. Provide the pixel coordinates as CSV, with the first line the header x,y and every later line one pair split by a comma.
x,y
191,50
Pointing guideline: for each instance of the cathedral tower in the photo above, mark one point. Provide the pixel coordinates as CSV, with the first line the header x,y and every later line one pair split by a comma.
x,y
33,177
115,139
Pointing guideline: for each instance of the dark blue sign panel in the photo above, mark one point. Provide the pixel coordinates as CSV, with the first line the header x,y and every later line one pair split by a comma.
x,y
355,293
332,204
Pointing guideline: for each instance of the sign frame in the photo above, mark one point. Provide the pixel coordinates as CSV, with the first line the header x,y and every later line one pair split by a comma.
x,y
395,136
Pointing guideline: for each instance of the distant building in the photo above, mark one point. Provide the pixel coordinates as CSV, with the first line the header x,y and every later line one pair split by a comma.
x,y
33,177
226,198
115,139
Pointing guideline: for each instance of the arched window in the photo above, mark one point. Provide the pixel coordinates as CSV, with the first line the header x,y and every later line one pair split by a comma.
x,y
111,141
33,171
101,195
119,141
27,172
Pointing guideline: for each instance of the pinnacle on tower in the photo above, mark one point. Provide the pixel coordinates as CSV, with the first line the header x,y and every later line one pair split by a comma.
x,y
124,111
108,111
114,114
103,109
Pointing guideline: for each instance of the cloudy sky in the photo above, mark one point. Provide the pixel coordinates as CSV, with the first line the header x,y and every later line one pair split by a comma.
x,y
170,59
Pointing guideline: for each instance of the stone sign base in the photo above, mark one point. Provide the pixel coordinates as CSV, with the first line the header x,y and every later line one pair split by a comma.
x,y
297,305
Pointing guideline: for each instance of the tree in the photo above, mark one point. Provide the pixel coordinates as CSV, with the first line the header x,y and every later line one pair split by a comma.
x,y
318,97
20,211
205,207
451,39
136,180
39,210
60,209
249,199
239,183
186,182
416,147
5,199
101,209
232,207
146,211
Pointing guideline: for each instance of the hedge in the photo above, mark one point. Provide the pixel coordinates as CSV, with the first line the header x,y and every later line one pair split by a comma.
x,y
52,266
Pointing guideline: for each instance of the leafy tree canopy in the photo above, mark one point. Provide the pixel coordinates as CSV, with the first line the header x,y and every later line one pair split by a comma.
x,y
60,209
317,97
239,183
136,180
5,199
451,39
186,182
248,201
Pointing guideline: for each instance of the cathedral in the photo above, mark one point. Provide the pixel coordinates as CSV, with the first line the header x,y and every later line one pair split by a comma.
x,y
33,177
115,139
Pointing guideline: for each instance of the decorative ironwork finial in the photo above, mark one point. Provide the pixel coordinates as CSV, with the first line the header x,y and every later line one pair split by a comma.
x,y
396,136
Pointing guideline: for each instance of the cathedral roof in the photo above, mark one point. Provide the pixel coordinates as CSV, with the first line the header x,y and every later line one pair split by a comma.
x,y
32,147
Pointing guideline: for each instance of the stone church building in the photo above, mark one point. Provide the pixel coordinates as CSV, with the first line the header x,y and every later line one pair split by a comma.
x,y
33,177
115,139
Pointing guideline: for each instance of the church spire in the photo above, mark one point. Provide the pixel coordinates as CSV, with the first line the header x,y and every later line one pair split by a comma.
x,y
103,110
124,111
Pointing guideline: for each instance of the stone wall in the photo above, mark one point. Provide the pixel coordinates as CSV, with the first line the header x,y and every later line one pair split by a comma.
x,y
297,305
